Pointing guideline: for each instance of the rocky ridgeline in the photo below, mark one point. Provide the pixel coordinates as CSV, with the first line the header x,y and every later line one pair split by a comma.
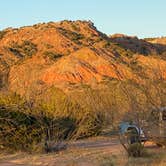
x,y
71,53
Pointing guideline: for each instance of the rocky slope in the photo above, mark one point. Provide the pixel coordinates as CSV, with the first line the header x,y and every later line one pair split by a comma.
x,y
68,54
160,40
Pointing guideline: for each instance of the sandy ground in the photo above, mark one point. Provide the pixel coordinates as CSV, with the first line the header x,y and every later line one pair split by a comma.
x,y
88,152
83,153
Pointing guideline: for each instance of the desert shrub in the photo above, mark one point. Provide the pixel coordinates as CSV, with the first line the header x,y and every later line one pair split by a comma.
x,y
144,50
18,129
107,44
118,49
22,130
135,66
48,123
68,128
75,37
56,131
26,49
48,46
88,125
29,48
59,105
52,55
75,27
15,50
136,150
2,34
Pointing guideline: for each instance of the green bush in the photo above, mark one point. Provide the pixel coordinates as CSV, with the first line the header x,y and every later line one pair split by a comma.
x,y
24,126
89,125
58,105
18,130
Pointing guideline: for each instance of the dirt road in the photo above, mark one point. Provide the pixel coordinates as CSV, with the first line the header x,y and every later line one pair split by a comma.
x,y
87,152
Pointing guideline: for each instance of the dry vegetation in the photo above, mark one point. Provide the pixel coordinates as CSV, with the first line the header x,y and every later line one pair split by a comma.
x,y
68,81
98,151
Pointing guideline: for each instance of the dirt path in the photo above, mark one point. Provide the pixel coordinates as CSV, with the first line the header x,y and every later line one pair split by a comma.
x,y
82,153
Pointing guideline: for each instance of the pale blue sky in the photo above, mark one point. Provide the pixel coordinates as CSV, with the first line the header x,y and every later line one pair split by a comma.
x,y
144,18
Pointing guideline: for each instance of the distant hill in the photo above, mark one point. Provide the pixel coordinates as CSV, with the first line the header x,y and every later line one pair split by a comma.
x,y
159,40
69,54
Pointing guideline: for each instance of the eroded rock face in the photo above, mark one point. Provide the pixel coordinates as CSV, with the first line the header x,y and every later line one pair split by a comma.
x,y
72,52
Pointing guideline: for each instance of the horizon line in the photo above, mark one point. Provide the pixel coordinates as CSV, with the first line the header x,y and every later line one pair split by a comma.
x,y
108,34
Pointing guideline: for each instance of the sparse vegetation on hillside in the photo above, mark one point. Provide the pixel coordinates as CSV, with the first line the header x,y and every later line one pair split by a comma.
x,y
52,55
26,49
2,34
75,37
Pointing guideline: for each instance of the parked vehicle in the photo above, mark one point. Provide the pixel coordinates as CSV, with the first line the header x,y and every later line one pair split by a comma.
x,y
133,132
152,129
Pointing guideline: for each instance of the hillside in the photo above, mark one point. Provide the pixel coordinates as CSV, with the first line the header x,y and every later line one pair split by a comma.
x,y
68,54
67,80
159,40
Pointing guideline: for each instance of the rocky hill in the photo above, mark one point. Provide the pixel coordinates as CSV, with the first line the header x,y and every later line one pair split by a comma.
x,y
70,54
67,80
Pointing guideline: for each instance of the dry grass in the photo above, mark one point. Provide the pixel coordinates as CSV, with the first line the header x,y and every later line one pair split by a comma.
x,y
154,157
90,152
